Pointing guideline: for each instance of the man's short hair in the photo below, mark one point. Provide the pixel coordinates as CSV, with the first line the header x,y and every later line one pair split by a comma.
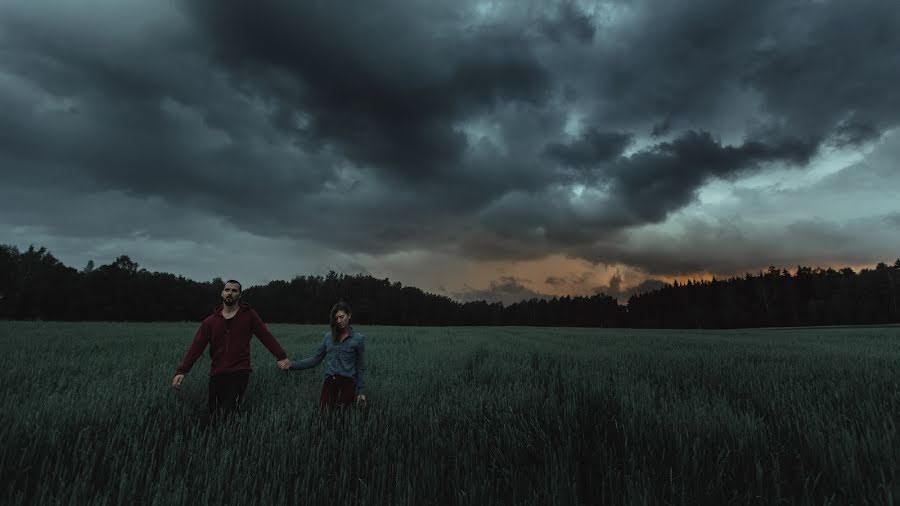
x,y
238,283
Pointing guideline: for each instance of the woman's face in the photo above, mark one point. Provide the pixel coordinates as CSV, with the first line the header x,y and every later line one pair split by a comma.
x,y
341,320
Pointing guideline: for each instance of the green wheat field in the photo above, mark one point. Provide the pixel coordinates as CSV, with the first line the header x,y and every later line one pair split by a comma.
x,y
459,416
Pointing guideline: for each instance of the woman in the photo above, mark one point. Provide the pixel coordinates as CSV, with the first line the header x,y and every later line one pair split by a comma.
x,y
345,369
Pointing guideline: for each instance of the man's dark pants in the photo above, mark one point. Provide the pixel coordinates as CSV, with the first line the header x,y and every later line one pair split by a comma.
x,y
226,392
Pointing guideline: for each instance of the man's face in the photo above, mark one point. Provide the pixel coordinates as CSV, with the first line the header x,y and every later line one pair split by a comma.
x,y
342,320
231,294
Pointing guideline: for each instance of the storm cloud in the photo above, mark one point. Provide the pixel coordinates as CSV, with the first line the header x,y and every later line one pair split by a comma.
x,y
484,131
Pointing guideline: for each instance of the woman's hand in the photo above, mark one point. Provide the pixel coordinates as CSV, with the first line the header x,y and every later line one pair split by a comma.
x,y
360,401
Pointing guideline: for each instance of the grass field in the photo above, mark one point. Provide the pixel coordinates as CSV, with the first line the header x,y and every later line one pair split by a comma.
x,y
459,416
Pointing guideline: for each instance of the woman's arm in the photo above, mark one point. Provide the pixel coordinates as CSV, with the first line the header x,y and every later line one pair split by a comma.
x,y
309,362
360,366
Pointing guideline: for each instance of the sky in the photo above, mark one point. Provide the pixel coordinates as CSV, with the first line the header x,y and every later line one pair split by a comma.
x,y
496,150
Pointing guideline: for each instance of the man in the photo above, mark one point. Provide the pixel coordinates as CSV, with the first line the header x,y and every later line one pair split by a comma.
x,y
227,331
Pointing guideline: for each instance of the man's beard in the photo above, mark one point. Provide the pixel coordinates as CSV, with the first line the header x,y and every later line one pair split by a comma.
x,y
234,301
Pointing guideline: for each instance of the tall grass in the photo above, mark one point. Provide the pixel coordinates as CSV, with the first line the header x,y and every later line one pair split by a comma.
x,y
459,416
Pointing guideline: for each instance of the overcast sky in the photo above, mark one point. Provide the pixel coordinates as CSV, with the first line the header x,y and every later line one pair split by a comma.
x,y
477,149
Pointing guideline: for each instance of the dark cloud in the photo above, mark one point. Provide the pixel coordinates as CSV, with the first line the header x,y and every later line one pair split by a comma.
x,y
893,220
510,289
506,289
640,189
652,183
590,150
803,68
387,90
569,22
496,131
578,283
735,247
133,117
570,280
825,68
622,294
853,132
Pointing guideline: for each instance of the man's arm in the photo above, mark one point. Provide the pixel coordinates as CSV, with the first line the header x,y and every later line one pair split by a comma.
x,y
262,333
201,339
312,361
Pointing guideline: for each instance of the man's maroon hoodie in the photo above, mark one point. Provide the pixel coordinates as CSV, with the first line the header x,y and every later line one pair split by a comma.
x,y
229,341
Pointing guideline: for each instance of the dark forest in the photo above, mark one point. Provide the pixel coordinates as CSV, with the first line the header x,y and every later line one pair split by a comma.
x,y
34,285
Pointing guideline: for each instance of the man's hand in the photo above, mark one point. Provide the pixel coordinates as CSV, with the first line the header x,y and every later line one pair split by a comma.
x,y
285,364
176,381
361,401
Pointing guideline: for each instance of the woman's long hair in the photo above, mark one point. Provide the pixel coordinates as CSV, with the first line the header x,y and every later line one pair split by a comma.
x,y
339,306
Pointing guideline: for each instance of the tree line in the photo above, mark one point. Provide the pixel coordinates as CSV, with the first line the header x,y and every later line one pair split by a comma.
x,y
34,285
775,298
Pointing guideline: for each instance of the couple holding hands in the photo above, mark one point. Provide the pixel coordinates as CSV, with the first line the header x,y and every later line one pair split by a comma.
x,y
228,331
